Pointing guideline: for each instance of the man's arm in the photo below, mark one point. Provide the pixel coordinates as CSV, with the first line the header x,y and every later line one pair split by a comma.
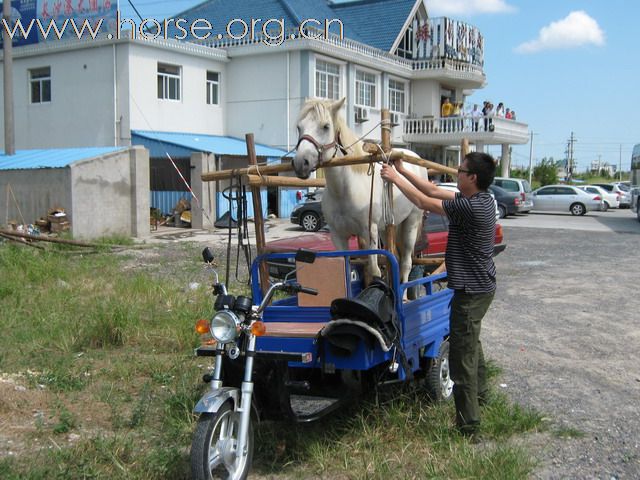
x,y
423,185
417,197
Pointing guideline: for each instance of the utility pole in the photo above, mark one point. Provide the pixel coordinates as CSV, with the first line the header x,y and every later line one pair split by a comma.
x,y
530,155
572,140
7,70
620,165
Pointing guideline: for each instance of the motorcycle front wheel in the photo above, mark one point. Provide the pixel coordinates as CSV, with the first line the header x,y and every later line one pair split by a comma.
x,y
214,445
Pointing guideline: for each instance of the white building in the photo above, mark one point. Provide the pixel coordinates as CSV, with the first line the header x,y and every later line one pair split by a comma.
x,y
390,55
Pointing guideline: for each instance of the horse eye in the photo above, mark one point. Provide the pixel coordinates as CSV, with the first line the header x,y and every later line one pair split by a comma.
x,y
326,126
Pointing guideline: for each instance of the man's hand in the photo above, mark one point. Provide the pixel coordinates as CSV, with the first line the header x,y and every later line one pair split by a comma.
x,y
389,173
399,164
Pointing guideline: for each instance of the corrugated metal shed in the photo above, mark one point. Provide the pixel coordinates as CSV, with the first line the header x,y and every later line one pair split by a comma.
x,y
52,157
182,144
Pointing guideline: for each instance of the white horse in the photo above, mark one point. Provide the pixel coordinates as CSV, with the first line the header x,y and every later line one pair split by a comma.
x,y
323,135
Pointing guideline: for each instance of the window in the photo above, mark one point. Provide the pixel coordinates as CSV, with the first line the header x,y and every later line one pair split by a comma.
x,y
327,80
396,96
405,49
547,191
40,83
365,89
213,88
168,82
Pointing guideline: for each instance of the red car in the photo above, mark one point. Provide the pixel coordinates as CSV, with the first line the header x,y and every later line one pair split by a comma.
x,y
435,230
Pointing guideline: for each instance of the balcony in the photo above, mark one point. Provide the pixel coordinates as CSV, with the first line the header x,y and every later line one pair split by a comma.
x,y
451,130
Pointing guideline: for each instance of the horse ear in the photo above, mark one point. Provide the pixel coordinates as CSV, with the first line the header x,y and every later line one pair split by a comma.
x,y
337,105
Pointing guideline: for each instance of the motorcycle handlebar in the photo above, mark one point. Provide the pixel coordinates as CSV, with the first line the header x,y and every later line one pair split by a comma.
x,y
290,287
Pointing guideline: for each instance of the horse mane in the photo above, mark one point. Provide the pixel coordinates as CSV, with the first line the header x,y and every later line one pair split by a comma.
x,y
321,109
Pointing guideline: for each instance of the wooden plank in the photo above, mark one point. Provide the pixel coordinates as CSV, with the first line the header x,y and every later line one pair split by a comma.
x,y
293,329
273,181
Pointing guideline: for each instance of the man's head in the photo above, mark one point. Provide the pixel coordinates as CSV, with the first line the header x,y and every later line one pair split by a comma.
x,y
476,172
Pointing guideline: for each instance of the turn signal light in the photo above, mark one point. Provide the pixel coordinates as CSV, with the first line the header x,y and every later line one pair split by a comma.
x,y
202,326
258,328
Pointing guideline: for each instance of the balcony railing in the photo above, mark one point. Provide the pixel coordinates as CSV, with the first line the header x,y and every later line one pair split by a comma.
x,y
488,129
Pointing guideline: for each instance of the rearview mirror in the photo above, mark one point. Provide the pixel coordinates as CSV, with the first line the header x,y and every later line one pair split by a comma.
x,y
305,256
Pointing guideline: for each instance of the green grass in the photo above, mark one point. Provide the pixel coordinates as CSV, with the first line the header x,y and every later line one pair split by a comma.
x,y
104,347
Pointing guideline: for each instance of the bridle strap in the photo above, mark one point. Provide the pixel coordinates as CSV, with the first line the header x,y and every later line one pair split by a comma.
x,y
320,148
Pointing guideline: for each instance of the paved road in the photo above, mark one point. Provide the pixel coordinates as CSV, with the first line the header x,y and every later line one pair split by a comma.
x,y
564,329
616,220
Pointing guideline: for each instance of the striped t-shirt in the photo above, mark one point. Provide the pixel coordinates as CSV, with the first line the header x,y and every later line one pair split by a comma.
x,y
469,255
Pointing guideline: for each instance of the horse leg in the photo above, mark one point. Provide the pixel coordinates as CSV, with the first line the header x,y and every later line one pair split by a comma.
x,y
407,234
374,269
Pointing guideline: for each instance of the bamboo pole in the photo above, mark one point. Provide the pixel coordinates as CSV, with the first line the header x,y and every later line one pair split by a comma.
x,y
251,170
258,221
273,181
464,147
336,162
427,261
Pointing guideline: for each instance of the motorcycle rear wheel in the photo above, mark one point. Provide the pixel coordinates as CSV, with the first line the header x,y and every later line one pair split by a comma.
x,y
213,448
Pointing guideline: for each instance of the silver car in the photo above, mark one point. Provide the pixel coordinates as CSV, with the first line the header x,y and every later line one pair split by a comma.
x,y
621,190
565,198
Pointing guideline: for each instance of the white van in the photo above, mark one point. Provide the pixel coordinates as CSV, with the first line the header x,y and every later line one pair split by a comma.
x,y
517,185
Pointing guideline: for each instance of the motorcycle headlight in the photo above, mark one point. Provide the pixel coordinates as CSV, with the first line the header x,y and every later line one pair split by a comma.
x,y
224,326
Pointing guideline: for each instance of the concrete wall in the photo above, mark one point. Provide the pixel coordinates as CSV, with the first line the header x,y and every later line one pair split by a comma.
x,y
110,195
260,99
81,111
36,191
191,113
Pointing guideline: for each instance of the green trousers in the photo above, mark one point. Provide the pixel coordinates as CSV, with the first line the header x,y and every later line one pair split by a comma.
x,y
466,359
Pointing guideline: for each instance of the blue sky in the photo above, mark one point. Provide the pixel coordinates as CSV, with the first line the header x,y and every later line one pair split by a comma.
x,y
562,65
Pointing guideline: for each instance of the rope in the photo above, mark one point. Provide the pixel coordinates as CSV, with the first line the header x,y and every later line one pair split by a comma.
x,y
387,211
10,190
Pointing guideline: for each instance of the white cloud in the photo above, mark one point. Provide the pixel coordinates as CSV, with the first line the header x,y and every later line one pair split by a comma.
x,y
576,30
467,7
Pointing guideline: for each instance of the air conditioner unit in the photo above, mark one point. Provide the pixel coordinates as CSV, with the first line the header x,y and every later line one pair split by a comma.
x,y
395,119
362,114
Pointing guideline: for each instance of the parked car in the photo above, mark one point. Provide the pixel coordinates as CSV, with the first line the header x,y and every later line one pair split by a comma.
x,y
519,186
621,190
432,243
508,202
454,188
309,213
565,198
611,200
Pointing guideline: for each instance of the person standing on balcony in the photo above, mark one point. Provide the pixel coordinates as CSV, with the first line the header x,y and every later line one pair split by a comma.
x,y
500,110
475,117
513,114
507,114
458,112
470,267
446,111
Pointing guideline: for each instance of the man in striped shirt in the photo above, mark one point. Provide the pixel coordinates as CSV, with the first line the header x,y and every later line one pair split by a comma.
x,y
470,268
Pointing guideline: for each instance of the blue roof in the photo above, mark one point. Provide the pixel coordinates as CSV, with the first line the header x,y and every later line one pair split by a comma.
x,y
196,142
374,22
378,22
52,157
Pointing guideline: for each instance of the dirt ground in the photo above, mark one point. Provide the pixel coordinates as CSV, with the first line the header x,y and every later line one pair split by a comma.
x,y
564,327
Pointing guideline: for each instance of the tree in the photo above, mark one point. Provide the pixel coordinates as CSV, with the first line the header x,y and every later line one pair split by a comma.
x,y
546,172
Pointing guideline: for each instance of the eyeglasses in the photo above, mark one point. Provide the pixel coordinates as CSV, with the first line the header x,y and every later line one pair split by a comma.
x,y
462,170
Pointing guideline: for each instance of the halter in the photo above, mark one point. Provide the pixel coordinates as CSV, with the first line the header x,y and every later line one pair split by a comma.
x,y
320,148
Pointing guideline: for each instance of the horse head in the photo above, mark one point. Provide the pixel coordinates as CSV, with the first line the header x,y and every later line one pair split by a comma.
x,y
318,130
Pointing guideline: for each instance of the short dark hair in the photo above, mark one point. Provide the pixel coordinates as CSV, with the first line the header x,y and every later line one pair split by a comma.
x,y
483,166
